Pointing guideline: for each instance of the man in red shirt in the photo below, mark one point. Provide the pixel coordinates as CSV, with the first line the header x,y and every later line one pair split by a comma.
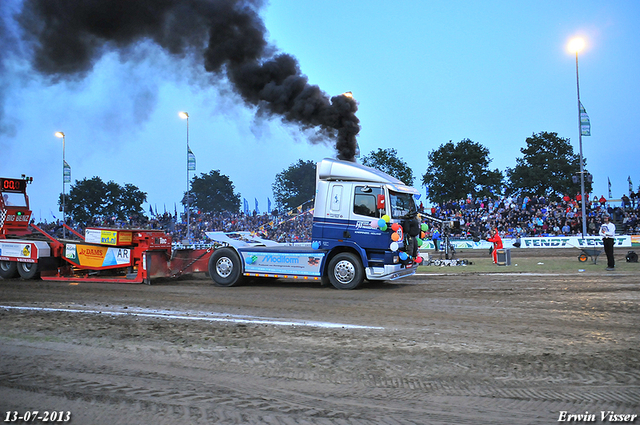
x,y
497,244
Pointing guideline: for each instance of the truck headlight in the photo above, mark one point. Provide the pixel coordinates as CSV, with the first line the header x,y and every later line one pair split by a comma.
x,y
396,259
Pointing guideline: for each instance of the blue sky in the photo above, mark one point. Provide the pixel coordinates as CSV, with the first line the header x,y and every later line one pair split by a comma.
x,y
423,73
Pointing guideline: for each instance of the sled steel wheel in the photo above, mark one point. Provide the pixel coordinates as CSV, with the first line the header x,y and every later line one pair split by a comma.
x,y
8,269
225,268
28,270
345,271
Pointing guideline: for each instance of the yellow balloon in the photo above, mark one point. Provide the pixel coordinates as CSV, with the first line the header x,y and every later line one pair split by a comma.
x,y
386,218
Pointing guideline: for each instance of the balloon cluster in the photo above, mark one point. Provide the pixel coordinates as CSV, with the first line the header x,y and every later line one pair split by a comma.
x,y
423,228
398,235
383,224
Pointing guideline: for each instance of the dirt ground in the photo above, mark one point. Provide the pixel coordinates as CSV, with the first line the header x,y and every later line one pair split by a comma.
x,y
442,348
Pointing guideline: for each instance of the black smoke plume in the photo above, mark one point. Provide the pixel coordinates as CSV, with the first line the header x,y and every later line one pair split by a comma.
x,y
69,36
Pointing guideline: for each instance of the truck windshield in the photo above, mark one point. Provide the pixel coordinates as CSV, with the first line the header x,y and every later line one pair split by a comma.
x,y
402,204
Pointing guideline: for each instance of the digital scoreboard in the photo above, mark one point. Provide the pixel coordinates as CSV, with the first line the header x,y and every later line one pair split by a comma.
x,y
13,185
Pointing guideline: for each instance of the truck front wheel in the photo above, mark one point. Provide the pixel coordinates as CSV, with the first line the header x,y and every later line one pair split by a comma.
x,y
225,268
345,271
8,269
28,270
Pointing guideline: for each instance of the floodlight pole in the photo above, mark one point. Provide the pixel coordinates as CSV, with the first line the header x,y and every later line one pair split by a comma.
x,y
185,115
61,135
584,213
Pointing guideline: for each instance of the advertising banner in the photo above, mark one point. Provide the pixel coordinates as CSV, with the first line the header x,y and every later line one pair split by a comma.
x,y
540,242
191,160
463,244
108,237
306,264
571,242
97,256
18,251
585,124
66,172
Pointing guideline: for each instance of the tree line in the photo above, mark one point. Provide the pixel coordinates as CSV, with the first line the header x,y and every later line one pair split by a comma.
x,y
455,171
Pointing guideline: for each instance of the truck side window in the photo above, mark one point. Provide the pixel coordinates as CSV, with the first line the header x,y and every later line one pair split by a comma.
x,y
364,200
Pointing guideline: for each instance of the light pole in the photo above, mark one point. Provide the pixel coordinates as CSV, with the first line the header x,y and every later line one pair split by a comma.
x,y
576,45
185,116
60,135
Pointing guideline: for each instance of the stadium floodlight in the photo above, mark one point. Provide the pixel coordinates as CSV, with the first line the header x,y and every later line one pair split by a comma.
x,y
576,45
185,116
60,135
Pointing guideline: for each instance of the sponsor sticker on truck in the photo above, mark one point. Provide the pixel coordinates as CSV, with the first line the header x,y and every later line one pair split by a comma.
x,y
16,250
306,264
97,256
108,237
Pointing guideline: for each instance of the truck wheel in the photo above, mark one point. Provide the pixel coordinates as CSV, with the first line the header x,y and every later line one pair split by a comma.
x,y
8,269
225,268
345,271
28,270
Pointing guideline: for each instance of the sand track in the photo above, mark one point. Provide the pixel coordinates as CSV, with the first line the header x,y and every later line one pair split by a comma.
x,y
463,349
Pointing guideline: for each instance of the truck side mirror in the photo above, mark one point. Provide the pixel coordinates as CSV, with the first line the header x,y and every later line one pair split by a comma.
x,y
381,202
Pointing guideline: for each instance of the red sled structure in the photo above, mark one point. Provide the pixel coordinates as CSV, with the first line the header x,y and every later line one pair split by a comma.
x,y
101,254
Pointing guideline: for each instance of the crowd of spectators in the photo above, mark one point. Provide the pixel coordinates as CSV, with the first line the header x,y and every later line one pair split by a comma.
x,y
285,228
280,228
536,216
512,216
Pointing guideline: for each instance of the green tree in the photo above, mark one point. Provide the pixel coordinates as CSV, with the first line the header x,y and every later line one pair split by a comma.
x,y
86,199
387,161
295,185
131,200
546,168
91,198
213,192
112,197
458,170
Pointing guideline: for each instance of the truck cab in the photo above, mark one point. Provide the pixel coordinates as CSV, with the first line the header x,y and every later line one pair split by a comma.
x,y
351,199
19,253
14,207
364,227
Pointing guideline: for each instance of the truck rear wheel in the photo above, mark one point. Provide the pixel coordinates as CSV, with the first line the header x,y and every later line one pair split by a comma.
x,y
345,271
8,269
225,268
28,270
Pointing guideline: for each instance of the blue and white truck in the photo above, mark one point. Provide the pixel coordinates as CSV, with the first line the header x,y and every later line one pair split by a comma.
x,y
357,212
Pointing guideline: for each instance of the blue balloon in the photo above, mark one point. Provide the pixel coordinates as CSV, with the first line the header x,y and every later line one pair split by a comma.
x,y
382,223
315,245
403,256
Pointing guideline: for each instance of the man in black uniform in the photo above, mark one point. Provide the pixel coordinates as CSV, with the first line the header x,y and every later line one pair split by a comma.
x,y
608,232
